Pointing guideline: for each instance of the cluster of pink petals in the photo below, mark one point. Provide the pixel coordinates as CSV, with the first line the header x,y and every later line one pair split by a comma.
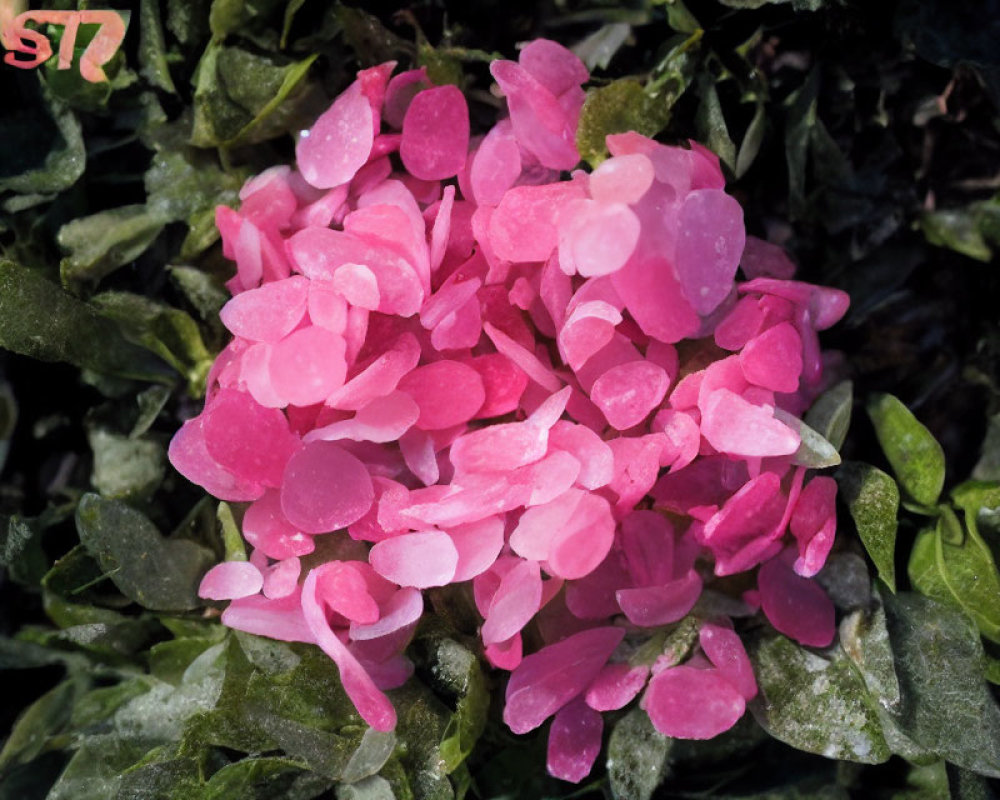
x,y
450,364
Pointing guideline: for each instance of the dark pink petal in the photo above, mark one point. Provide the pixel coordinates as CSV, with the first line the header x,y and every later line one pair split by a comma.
x,y
733,425
422,559
403,608
230,580
616,686
592,597
189,455
523,358
688,703
628,392
400,91
650,606
344,589
741,324
251,441
683,438
503,381
505,655
813,523
435,133
280,619
307,365
268,313
726,652
447,393
652,294
516,600
373,706
339,142
545,681
552,65
706,171
647,540
325,488
706,482
380,377
478,545
267,529
762,259
574,741
773,359
796,606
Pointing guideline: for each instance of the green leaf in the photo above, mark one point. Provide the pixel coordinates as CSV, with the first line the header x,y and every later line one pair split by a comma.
x,y
988,466
99,244
43,718
21,552
865,639
752,140
40,320
235,16
798,5
638,757
264,778
946,705
158,573
151,402
914,454
957,230
872,497
125,468
820,705
205,293
373,788
459,672
152,48
711,123
94,771
244,98
168,661
814,452
232,539
830,415
623,105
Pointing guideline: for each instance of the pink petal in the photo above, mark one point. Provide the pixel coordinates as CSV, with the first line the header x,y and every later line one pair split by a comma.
x,y
478,545
503,382
523,358
435,134
417,447
650,606
652,294
380,377
552,65
384,419
447,393
358,285
741,324
496,166
579,547
327,306
538,527
814,517
442,227
189,455
399,93
424,559
616,686
762,259
688,703
307,365
595,457
339,142
726,652
404,608
345,591
622,179
628,392
797,607
325,488
733,425
268,313
514,603
588,329
280,619
709,245
265,527
545,681
523,227
505,655
596,238
574,741
282,579
373,706
230,580
774,359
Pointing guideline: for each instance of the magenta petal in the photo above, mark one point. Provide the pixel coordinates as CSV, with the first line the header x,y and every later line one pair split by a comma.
x,y
733,425
325,488
574,741
280,619
478,545
447,393
579,547
435,134
798,607
709,245
650,606
688,703
373,706
545,681
616,686
552,65
725,650
404,608
514,603
814,523
189,455
230,580
628,392
268,313
423,559
339,142
774,358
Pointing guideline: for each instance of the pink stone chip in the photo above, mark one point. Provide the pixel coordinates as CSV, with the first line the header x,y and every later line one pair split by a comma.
x,y
435,134
796,606
628,392
574,741
774,358
709,245
733,425
338,144
447,392
268,313
547,680
231,580
325,488
422,560
688,703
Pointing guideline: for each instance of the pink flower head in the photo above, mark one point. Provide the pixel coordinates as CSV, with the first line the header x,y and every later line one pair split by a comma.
x,y
466,368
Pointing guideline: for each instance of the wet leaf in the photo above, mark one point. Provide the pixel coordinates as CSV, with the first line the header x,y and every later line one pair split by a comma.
x,y
914,454
124,467
43,718
638,757
99,244
133,553
152,48
830,415
872,497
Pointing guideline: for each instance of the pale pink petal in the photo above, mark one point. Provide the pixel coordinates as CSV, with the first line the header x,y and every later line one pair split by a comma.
x,y
773,359
814,517
516,600
230,580
417,447
579,547
683,438
255,373
733,425
523,358
688,703
282,579
726,652
338,144
358,285
447,393
650,606
523,227
384,419
574,741
796,606
622,179
552,65
422,560
307,365
373,706
380,377
189,455
268,313
545,681
628,392
478,545
435,133
538,527
496,165
441,231
267,529
280,619
403,608
615,686
596,238
327,306
588,329
595,457
325,488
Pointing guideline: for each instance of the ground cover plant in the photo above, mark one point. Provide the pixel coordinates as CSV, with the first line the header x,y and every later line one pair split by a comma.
x,y
446,400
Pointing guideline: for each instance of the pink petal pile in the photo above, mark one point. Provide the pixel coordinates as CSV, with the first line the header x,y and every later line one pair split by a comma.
x,y
452,364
